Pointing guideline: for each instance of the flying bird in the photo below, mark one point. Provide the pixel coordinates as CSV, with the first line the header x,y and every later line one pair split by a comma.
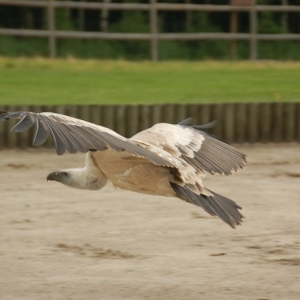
x,y
166,159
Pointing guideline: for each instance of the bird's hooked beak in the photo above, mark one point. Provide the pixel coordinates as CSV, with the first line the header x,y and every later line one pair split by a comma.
x,y
55,176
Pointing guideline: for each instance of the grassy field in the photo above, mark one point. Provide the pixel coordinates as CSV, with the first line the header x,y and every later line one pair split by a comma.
x,y
42,81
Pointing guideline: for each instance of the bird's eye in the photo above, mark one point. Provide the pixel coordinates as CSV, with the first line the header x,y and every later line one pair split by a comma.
x,y
63,173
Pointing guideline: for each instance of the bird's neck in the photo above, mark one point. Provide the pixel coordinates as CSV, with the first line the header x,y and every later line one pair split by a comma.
x,y
87,179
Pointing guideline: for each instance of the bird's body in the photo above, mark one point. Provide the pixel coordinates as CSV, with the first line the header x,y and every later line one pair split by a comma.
x,y
166,159
133,174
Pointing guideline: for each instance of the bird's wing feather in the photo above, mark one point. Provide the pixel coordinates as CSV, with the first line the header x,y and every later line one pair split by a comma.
x,y
193,146
75,135
214,204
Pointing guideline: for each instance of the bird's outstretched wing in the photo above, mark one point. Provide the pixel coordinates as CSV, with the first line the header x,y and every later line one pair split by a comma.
x,y
199,152
193,146
76,135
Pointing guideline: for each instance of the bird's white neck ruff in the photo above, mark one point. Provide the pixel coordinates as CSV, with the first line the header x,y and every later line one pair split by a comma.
x,y
89,177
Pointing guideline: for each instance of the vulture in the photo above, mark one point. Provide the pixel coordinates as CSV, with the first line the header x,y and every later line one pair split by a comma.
x,y
167,159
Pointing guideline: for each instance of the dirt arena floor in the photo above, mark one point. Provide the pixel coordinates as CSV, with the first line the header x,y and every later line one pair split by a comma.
x,y
62,243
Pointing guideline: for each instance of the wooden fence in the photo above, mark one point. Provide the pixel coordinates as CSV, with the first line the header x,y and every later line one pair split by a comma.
x,y
237,122
153,7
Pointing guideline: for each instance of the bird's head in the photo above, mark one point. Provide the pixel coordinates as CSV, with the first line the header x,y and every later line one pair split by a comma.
x,y
77,178
60,176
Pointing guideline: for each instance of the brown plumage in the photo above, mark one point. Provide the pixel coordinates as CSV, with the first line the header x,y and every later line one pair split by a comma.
x,y
166,159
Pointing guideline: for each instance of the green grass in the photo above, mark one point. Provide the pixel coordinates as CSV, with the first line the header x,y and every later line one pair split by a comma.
x,y
42,82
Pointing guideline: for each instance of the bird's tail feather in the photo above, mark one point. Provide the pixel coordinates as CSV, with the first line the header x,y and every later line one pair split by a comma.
x,y
215,205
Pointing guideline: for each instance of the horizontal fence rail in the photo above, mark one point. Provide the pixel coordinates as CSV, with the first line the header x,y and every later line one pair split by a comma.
x,y
154,36
147,36
145,6
237,122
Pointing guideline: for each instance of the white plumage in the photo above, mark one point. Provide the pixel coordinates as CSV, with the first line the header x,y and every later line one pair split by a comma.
x,y
166,159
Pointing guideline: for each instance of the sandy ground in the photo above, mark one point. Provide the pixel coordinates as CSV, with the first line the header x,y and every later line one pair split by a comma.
x,y
62,243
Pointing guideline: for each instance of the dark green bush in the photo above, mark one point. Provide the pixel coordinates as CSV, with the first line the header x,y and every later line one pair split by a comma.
x,y
139,22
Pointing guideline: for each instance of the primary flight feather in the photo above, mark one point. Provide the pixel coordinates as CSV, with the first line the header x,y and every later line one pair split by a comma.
x,y
166,159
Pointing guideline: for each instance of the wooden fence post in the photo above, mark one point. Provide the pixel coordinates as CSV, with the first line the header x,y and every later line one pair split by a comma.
x,y
289,122
277,122
104,17
297,111
81,18
233,29
265,122
2,131
253,119
205,114
229,123
217,112
132,120
154,25
241,122
11,137
51,28
144,121
180,112
156,114
253,32
120,119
